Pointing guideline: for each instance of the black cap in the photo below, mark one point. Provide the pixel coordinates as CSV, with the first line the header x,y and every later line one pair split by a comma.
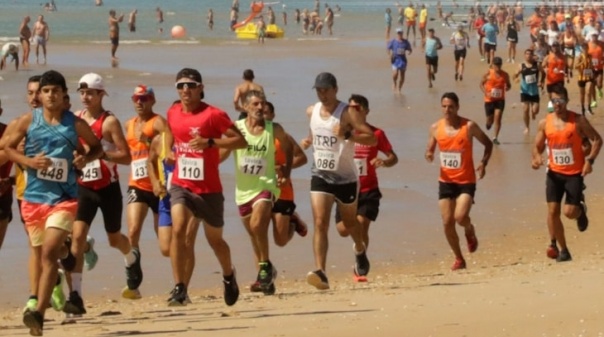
x,y
190,74
497,60
325,81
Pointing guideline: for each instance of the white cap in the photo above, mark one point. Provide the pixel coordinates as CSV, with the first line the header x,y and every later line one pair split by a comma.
x,y
92,81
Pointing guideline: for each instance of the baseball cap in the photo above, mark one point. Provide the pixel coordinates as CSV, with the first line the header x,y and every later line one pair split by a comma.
x,y
325,80
497,60
399,30
143,90
189,73
92,81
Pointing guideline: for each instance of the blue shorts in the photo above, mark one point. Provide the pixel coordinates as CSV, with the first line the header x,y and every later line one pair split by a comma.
x,y
165,218
399,64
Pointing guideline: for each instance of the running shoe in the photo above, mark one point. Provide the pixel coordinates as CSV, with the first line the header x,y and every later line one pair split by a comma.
x,y
299,226
459,264
134,273
552,251
317,279
75,304
433,76
593,104
564,256
69,261
57,299
495,141
482,59
31,305
179,296
362,265
582,220
359,278
34,321
90,257
266,275
255,287
472,241
600,93
231,289
131,294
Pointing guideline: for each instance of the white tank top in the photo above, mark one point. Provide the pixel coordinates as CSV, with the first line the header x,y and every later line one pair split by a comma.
x,y
333,156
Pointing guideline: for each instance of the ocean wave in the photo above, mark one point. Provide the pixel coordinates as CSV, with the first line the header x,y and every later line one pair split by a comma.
x,y
9,39
180,42
122,42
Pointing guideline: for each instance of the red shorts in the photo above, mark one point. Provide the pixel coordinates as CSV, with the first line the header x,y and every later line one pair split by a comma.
x,y
410,23
38,217
245,210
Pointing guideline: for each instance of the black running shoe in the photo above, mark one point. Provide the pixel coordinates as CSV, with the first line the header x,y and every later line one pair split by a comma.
x,y
34,321
231,289
361,267
179,296
564,256
582,220
271,290
75,304
317,279
266,275
134,273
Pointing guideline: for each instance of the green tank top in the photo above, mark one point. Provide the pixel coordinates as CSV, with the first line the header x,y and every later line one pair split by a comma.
x,y
255,164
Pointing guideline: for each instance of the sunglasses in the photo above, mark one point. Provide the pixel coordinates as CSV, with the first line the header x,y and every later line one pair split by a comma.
x,y
141,98
187,85
558,101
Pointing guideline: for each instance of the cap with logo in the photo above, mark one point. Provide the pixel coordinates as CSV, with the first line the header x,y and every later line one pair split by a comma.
x,y
92,81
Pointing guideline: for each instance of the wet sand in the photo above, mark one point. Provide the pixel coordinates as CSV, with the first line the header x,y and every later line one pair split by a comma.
x,y
509,289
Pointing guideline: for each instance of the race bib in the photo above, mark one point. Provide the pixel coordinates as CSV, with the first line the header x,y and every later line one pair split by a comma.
x,y
563,156
595,62
400,51
92,171
530,79
450,160
361,164
326,160
496,93
56,172
190,168
139,169
588,72
569,51
252,166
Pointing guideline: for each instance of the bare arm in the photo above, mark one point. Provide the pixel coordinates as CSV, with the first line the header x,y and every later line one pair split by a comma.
x,y
539,146
95,148
112,130
508,83
586,129
287,147
153,167
305,143
14,137
476,132
300,158
484,80
236,100
431,146
363,135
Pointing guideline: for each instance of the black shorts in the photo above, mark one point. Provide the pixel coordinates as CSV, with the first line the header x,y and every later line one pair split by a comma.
x,y
344,193
459,54
582,84
432,61
558,184
208,206
488,47
137,195
285,207
115,41
598,73
526,98
108,199
369,205
490,107
551,87
19,201
6,206
453,190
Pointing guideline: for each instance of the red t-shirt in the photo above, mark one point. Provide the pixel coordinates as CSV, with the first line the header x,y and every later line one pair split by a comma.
x,y
197,170
478,26
364,154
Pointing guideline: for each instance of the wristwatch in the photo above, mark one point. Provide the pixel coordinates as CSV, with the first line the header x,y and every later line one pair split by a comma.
x,y
211,142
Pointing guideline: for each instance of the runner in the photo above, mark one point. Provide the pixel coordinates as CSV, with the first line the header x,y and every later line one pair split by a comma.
x,y
6,188
49,205
494,85
140,131
563,132
478,24
433,44
334,173
586,75
570,43
554,66
512,37
454,135
491,31
199,130
367,161
397,52
461,42
531,80
99,187
257,182
594,48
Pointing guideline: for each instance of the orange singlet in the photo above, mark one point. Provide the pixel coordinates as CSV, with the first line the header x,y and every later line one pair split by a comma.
x,y
139,150
456,162
555,70
565,150
494,87
287,190
597,59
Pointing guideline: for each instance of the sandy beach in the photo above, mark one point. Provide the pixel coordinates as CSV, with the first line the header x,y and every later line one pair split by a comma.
x,y
509,289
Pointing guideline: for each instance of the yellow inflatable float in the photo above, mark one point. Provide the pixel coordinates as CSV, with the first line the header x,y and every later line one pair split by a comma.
x,y
250,31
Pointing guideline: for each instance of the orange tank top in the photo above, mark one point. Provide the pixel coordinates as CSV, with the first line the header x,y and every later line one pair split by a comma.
x,y
565,150
287,190
555,69
139,151
595,51
494,87
456,162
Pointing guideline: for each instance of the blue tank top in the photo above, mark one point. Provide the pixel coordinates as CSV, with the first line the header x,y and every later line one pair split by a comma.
x,y
529,79
58,182
431,47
